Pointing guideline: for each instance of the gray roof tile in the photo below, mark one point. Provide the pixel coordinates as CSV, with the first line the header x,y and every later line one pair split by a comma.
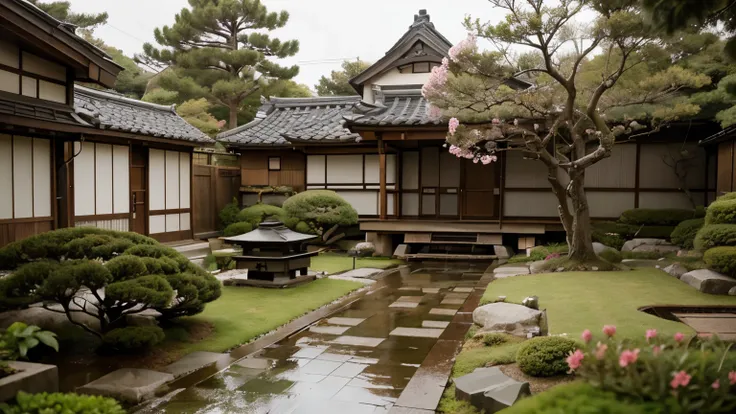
x,y
119,113
406,110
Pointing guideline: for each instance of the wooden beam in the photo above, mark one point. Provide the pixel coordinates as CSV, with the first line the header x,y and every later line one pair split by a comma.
x,y
383,200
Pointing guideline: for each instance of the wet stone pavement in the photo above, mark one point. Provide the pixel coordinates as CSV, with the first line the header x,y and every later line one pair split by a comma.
x,y
389,352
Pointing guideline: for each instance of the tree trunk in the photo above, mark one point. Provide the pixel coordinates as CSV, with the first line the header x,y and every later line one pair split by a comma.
x,y
581,247
233,117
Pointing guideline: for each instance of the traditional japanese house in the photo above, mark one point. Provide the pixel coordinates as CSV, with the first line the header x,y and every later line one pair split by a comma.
x,y
382,153
75,156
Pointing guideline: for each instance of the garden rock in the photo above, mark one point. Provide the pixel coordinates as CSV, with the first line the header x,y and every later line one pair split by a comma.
x,y
658,248
732,292
708,281
531,302
365,249
600,248
676,270
510,271
128,384
502,252
490,390
509,318
649,245
537,267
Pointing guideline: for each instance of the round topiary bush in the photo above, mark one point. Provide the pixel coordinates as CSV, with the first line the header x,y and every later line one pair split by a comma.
x,y
685,232
721,259
721,211
258,213
321,209
715,235
236,229
133,338
545,356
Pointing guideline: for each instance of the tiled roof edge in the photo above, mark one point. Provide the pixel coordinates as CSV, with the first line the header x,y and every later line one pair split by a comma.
x,y
120,98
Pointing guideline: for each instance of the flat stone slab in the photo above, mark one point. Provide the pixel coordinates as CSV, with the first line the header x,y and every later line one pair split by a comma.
x,y
443,312
451,301
329,330
361,273
463,289
490,390
320,367
330,356
435,324
415,299
31,378
256,363
128,384
456,295
418,332
345,321
349,370
309,352
358,341
708,281
410,288
431,290
195,361
425,388
676,270
399,304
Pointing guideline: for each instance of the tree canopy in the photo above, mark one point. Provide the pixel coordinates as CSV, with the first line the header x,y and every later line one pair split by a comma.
x,y
564,100
61,10
338,83
221,50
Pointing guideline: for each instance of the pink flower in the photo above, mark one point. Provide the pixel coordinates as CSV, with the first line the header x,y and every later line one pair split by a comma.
x,y
716,385
487,159
467,44
680,379
434,113
496,121
732,377
679,337
657,350
436,81
628,357
575,359
600,351
609,330
587,336
651,334
452,125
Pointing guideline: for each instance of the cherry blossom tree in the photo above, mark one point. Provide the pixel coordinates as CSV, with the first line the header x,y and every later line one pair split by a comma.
x,y
567,79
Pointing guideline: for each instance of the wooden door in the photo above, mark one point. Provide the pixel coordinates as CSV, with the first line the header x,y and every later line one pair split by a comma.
x,y
478,193
138,190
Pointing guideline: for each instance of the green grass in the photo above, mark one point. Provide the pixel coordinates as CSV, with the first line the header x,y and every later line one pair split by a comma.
x,y
576,301
333,263
244,313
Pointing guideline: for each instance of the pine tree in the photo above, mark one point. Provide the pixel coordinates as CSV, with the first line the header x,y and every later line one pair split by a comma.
x,y
61,10
220,50
338,84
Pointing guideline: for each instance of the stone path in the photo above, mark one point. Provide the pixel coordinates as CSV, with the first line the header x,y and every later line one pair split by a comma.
x,y
390,352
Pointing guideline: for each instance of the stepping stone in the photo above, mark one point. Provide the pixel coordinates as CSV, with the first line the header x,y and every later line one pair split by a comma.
x,y
309,352
708,281
256,363
435,324
463,289
319,367
457,295
322,390
410,289
364,361
329,356
415,299
329,330
490,390
398,304
417,332
349,370
443,312
431,290
452,302
358,341
195,361
128,384
345,321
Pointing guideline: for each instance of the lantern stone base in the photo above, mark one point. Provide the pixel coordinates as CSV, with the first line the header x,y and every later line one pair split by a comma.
x,y
30,378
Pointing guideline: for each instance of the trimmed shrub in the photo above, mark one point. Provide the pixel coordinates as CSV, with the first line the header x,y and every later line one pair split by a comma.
x,y
236,229
321,209
258,213
494,339
721,259
545,356
17,290
59,403
229,214
611,240
715,235
133,338
721,211
303,227
612,227
126,267
656,217
684,234
653,232
611,256
157,252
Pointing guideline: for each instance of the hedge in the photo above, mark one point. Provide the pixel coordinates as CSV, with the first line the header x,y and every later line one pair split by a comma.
x,y
658,217
59,403
715,235
684,234
545,356
721,211
236,229
133,338
721,259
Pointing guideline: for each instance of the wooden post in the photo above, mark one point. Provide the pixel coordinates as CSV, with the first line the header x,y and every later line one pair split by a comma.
x,y
383,201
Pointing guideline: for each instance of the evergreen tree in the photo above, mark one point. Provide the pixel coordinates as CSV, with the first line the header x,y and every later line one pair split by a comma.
x,y
338,84
61,10
220,50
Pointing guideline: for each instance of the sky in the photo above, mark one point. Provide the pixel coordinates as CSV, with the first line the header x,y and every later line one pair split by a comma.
x,y
329,31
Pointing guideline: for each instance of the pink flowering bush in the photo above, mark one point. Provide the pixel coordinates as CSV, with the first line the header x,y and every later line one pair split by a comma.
x,y
683,376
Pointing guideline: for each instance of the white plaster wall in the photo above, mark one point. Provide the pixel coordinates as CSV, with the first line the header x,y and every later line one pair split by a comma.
x,y
40,66
345,169
410,170
156,183
104,181
172,180
51,91
372,169
6,171
530,204
84,179
121,179
609,204
665,200
316,169
521,173
30,86
41,177
172,222
392,77
364,202
157,224
23,176
656,174
617,171
185,195
8,82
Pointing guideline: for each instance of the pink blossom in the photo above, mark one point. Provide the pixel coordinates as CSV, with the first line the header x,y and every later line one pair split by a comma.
x,y
434,113
609,330
496,121
468,43
628,357
575,359
716,385
487,159
587,336
679,337
732,377
436,81
651,334
600,351
452,125
680,379
475,160
657,350
469,155
454,150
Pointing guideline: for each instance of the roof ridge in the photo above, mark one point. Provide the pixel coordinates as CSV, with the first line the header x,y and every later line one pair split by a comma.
x,y
122,98
313,101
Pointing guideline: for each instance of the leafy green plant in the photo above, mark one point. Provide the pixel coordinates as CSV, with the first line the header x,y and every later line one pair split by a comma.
x,y
721,259
721,211
6,370
714,235
236,229
611,256
59,403
545,356
684,234
133,338
229,214
609,239
19,338
494,339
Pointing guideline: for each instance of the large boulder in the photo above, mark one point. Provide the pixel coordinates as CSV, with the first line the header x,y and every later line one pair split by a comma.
x,y
631,245
676,270
708,281
490,390
510,270
509,318
537,267
600,248
502,252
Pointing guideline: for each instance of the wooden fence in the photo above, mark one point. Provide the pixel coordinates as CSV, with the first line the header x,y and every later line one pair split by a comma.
x,y
213,187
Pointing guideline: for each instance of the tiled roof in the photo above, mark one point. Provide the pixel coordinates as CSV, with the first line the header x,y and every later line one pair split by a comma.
x,y
115,112
283,120
403,108
41,112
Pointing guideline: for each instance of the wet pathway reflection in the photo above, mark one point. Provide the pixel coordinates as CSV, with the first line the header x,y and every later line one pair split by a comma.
x,y
357,361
